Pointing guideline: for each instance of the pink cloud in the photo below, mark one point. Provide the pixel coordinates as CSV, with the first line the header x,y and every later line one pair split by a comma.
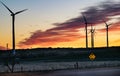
x,y
2,48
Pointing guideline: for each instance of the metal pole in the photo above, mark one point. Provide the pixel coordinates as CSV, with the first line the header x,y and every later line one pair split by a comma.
x,y
13,34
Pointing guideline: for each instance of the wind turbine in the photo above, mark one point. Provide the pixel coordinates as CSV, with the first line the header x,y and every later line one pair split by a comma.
x,y
92,36
107,38
86,23
13,26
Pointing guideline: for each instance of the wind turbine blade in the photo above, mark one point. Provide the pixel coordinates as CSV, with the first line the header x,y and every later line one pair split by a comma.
x,y
105,23
7,8
90,31
94,29
84,18
20,11
109,24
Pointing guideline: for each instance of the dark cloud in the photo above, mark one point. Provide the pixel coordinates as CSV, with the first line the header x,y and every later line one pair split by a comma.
x,y
103,11
69,30
95,14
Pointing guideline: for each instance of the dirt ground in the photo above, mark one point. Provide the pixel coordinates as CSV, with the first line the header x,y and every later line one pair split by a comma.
x,y
21,74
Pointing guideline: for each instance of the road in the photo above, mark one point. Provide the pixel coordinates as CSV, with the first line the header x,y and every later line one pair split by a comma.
x,y
92,72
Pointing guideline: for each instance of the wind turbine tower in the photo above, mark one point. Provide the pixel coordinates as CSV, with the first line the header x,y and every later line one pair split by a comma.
x,y
86,23
13,26
92,36
107,38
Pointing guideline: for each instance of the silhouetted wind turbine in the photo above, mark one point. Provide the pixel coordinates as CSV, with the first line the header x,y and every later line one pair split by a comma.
x,y
107,38
86,30
13,26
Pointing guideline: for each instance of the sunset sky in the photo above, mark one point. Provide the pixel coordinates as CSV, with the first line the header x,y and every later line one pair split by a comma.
x,y
59,23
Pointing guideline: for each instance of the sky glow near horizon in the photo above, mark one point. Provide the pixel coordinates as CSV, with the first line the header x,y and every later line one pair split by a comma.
x,y
55,23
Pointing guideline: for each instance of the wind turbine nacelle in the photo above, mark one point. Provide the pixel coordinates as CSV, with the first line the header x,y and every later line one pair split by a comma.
x,y
12,14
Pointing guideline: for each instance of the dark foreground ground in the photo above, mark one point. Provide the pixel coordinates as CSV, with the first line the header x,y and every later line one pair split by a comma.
x,y
61,54
87,72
